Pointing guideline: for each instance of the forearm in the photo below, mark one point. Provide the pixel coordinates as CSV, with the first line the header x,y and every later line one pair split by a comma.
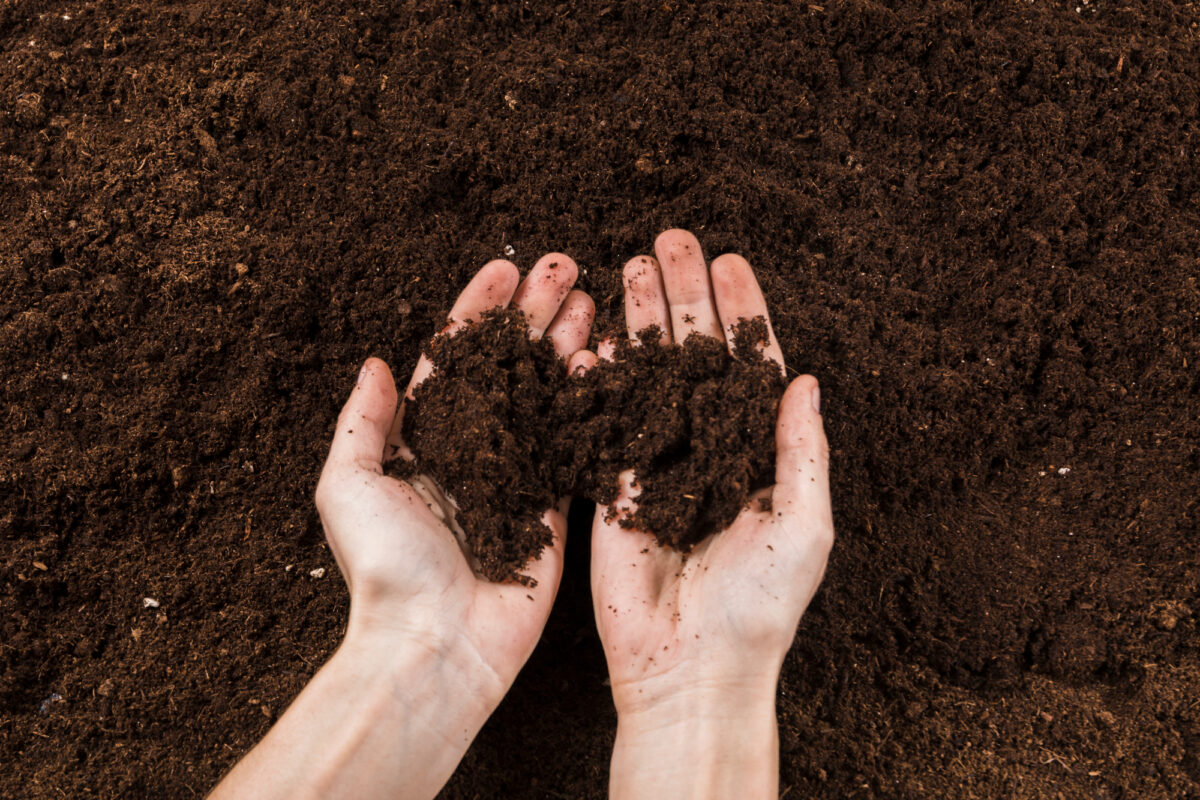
x,y
378,720
705,742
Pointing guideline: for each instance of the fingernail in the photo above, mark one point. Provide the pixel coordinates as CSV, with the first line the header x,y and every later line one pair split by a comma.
x,y
816,399
362,373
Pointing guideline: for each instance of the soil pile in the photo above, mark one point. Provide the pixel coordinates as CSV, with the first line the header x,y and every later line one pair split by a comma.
x,y
477,426
506,433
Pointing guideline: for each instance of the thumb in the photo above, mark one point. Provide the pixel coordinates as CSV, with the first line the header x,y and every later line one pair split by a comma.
x,y
366,419
801,495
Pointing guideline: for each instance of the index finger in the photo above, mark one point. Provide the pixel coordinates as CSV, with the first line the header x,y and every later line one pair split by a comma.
x,y
739,297
493,286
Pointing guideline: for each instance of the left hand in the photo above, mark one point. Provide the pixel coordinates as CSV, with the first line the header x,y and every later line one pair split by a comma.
x,y
726,612
408,577
431,647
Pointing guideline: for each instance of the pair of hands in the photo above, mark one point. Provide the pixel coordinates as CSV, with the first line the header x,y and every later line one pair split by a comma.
x,y
694,647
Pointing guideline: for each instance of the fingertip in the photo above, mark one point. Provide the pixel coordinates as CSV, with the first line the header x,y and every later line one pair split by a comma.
x,y
376,365
581,302
678,247
676,241
376,376
581,361
503,274
802,386
363,372
542,294
492,286
807,382
578,310
639,268
572,325
731,272
561,265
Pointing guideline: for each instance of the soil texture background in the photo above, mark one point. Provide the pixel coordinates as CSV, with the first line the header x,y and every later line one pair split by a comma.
x,y
977,223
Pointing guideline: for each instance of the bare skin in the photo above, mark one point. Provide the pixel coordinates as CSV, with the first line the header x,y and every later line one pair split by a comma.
x,y
694,646
431,648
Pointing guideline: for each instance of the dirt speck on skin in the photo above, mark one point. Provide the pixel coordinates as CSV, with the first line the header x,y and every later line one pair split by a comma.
x,y
976,225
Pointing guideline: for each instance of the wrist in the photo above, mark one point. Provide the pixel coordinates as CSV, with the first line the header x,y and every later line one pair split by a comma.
x,y
705,683
387,716
425,668
669,701
706,739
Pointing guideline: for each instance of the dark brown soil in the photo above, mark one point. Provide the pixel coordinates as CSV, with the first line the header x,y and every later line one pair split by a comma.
x,y
978,224
478,426
505,432
694,424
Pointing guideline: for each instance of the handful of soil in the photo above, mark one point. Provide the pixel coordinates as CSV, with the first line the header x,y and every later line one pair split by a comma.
x,y
478,427
505,433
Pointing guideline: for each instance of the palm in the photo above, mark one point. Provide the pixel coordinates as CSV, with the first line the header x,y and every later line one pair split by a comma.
x,y
647,616
393,539
658,611
741,590
430,577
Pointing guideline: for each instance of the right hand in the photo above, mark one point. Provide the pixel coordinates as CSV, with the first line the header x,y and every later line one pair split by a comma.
x,y
431,647
682,636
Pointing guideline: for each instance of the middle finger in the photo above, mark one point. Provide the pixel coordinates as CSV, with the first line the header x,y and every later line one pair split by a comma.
x,y
542,292
689,290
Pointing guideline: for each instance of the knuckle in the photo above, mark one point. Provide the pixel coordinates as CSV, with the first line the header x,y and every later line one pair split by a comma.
x,y
322,496
822,538
823,453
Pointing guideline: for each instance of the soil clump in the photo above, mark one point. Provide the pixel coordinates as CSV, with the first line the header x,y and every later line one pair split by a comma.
x,y
506,433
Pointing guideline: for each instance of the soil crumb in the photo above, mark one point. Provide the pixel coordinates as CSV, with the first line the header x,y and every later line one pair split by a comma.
x,y
502,429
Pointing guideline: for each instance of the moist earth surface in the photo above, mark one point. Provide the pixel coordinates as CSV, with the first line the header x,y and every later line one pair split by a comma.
x,y
976,223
